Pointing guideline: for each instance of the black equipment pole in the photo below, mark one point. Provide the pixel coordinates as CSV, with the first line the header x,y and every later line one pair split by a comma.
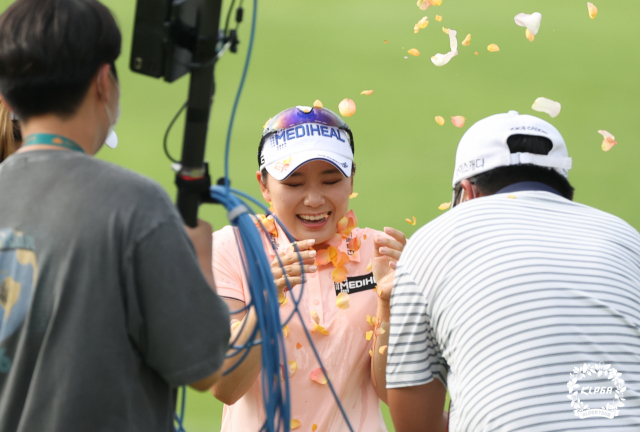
x,y
193,179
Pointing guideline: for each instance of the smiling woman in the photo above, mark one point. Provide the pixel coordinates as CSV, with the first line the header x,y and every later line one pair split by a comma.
x,y
306,172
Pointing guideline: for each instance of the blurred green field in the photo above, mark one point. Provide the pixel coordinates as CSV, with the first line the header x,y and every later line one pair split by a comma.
x,y
334,49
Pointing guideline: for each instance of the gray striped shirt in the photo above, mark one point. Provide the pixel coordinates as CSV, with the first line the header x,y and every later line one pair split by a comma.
x,y
527,307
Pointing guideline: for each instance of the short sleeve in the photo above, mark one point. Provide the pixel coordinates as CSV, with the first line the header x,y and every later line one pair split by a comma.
x,y
414,357
227,266
184,330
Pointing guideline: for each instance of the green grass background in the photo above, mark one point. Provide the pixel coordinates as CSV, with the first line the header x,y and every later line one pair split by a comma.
x,y
334,49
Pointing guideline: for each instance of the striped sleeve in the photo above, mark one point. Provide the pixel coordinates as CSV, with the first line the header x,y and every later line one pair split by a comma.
x,y
414,357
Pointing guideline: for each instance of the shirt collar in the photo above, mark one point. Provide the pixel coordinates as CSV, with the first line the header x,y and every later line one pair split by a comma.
x,y
528,186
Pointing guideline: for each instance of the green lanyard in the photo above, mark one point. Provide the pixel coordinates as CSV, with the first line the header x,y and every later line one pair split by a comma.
x,y
51,139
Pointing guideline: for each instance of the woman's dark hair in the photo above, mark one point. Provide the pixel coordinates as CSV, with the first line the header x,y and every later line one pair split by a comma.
x,y
49,52
490,182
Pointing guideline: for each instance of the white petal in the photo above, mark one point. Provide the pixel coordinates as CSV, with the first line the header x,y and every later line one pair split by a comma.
x,y
530,21
443,59
547,106
453,40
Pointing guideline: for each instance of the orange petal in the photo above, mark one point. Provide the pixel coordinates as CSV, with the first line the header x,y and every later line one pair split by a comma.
x,y
386,41
438,18
466,40
339,274
355,244
333,253
411,222
548,106
382,349
353,195
342,259
436,2
342,224
318,104
493,48
440,120
424,4
295,424
370,353
423,23
285,331
335,240
445,30
234,324
444,206
529,35
293,367
414,52
458,121
353,220
322,257
369,266
318,376
609,140
314,427
369,335
366,92
476,53
342,300
593,10
380,331
364,236
298,345
347,108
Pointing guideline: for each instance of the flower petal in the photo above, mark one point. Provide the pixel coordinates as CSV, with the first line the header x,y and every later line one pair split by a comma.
x,y
529,35
443,59
314,427
366,92
467,40
370,353
342,300
440,120
293,367
380,331
424,4
317,104
423,23
547,106
355,244
386,41
347,107
493,48
339,274
333,253
458,121
369,266
318,376
295,424
285,331
369,335
438,18
353,195
342,224
315,317
445,30
416,28
476,53
234,324
436,2
353,219
609,140
322,257
414,52
298,345
382,349
411,222
530,21
593,10
445,206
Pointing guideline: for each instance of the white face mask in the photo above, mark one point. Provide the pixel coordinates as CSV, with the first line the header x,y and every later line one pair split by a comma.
x,y
112,139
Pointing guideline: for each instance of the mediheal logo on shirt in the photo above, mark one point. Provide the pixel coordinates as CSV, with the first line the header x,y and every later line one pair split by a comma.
x,y
615,389
356,284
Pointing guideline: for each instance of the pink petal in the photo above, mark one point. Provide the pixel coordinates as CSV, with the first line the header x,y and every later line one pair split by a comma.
x,y
318,376
347,108
609,140
546,106
424,4
458,121
530,21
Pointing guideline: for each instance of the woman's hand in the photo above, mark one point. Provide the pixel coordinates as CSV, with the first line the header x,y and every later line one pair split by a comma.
x,y
385,259
291,268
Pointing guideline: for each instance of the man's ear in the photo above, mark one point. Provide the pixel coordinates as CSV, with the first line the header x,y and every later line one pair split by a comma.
x,y
470,191
263,187
104,82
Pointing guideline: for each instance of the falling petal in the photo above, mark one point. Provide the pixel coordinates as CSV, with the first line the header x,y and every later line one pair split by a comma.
x,y
369,335
423,23
293,367
285,331
529,35
322,257
530,21
281,298
370,353
416,29
314,427
342,224
458,121
347,108
445,30
318,104
436,2
315,317
414,52
438,18
318,376
445,206
440,120
295,424
546,106
493,48
511,196
382,349
284,302
298,345
339,274
467,40
364,236
234,324
319,329
265,125
369,266
386,41
609,140
353,195
411,222
380,331
593,10
342,300
333,253
443,59
424,4
476,53
366,92
355,244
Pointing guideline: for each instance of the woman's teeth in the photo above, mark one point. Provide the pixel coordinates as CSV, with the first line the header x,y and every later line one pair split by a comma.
x,y
314,218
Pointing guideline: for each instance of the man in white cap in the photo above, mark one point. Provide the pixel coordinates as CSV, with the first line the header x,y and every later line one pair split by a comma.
x,y
520,302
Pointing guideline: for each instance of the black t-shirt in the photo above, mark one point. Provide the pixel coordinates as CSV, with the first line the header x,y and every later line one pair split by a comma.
x,y
103,308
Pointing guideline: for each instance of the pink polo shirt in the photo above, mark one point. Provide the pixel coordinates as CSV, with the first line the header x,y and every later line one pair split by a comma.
x,y
344,351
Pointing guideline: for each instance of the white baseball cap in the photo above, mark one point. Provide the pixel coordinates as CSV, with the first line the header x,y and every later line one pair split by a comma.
x,y
303,134
484,146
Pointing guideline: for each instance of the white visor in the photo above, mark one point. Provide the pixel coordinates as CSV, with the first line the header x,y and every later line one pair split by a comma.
x,y
286,150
